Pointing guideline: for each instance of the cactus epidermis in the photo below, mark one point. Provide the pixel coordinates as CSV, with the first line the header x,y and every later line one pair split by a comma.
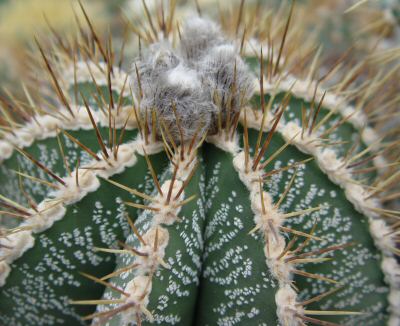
x,y
168,197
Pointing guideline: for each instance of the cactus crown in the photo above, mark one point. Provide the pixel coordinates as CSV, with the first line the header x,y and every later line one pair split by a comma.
x,y
191,191
198,85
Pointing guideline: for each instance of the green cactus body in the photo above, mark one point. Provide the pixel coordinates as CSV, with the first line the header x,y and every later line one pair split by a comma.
x,y
265,221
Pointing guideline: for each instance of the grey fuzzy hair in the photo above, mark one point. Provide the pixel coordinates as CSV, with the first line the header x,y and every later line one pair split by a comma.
x,y
158,59
228,77
198,36
189,87
193,107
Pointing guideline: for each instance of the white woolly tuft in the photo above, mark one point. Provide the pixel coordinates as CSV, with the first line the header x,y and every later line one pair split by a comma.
x,y
193,107
228,78
199,35
184,77
204,77
158,59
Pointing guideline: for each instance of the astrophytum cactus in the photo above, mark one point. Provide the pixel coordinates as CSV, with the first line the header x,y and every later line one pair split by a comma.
x,y
217,183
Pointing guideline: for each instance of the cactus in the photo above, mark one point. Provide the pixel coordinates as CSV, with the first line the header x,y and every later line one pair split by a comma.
x,y
219,183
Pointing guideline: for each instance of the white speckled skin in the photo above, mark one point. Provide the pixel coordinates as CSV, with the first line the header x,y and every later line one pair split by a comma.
x,y
268,224
334,167
53,208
